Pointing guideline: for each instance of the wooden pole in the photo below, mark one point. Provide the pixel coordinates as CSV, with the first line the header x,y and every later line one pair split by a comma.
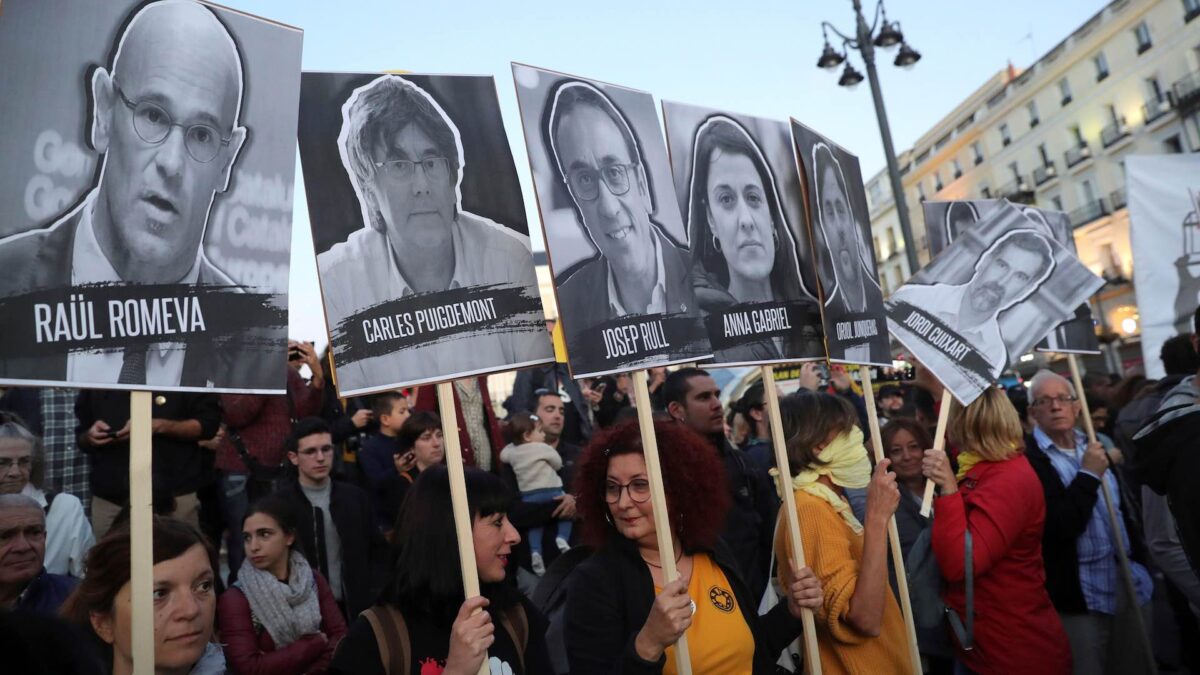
x,y
939,443
141,532
458,497
812,653
914,650
662,521
1114,524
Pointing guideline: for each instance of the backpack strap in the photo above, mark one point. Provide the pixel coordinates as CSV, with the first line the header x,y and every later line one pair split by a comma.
x,y
516,624
391,636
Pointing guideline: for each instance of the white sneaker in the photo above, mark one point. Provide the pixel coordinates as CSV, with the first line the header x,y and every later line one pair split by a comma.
x,y
539,567
562,544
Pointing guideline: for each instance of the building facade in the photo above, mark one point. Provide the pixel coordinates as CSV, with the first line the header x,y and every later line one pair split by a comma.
x,y
1126,82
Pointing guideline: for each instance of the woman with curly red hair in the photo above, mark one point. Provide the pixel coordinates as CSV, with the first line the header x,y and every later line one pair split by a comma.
x,y
621,615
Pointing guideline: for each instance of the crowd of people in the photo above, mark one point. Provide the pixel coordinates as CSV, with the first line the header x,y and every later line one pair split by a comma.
x,y
301,533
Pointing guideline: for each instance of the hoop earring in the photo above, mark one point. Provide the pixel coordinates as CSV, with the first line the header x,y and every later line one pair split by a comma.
x,y
716,244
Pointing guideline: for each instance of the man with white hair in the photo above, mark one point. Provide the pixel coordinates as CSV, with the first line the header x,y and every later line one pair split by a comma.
x,y
24,582
1082,574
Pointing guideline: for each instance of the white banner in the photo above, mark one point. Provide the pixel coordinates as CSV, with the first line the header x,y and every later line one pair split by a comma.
x,y
1164,202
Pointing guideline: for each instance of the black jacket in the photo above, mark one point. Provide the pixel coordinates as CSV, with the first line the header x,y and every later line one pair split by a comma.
x,y
179,467
1068,512
750,521
364,551
611,596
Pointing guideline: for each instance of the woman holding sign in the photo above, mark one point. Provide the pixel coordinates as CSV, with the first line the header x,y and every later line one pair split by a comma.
x,y
997,499
859,625
621,617
422,621
742,250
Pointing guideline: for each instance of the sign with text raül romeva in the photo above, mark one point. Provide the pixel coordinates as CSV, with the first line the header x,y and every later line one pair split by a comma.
x,y
419,229
616,242
851,300
739,191
146,162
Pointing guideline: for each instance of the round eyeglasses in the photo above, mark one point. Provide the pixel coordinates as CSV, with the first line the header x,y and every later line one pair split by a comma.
x,y
639,491
153,124
585,182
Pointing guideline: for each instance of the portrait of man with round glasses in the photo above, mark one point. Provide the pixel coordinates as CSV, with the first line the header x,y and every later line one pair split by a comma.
x,y
164,117
418,249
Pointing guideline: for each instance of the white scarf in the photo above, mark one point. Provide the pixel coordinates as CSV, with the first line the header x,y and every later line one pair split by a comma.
x,y
287,611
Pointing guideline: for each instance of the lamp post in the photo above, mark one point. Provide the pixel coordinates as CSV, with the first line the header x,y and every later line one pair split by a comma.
x,y
865,41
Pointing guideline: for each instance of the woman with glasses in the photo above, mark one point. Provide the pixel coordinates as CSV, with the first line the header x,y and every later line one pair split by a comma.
x,y
621,615
742,250
995,505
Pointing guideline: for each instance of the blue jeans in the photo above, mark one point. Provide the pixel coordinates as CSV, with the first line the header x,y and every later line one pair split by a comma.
x,y
562,528
234,502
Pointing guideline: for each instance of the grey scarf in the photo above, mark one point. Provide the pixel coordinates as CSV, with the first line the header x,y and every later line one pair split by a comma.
x,y
287,611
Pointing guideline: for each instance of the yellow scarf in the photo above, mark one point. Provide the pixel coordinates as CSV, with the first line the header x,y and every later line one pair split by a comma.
x,y
966,462
845,461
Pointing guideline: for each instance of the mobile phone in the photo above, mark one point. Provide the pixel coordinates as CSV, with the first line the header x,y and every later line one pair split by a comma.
x,y
111,434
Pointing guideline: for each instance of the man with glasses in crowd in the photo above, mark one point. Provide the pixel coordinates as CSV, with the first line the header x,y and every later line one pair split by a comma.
x,y
405,161
598,157
1082,573
165,117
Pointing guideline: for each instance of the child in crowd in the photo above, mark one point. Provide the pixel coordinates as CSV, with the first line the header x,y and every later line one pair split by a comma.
x,y
536,466
375,455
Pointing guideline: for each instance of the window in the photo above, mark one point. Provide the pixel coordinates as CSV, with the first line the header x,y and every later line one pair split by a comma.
x,y
875,192
1191,9
920,192
891,241
1172,145
1056,202
957,167
878,251
937,181
1142,33
1044,155
1077,136
1033,114
941,142
1101,64
1154,92
977,149
1087,192
1016,171
1112,115
1064,88
1005,135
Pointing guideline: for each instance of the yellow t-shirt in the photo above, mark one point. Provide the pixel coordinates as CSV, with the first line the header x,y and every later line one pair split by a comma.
x,y
719,640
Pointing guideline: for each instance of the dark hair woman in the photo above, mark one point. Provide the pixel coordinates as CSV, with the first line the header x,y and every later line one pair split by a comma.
x,y
742,249
280,617
185,600
419,445
422,618
621,615
859,625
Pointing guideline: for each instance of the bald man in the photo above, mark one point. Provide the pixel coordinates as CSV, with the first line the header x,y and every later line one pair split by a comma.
x,y
24,582
165,118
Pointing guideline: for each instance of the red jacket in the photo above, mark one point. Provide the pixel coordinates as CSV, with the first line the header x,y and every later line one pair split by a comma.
x,y
427,399
263,422
1016,627
249,649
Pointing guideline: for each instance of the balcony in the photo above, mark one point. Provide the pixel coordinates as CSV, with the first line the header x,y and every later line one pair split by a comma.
x,y
1114,132
1045,173
1185,93
1117,199
1017,190
1154,109
1077,155
1088,212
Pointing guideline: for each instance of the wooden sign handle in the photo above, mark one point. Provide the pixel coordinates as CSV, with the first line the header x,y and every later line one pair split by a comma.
x,y
812,654
914,650
141,531
658,499
939,443
463,526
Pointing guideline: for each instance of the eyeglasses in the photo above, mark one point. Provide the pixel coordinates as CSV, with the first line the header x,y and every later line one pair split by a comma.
x,y
639,491
22,463
153,124
435,168
1043,401
585,182
324,450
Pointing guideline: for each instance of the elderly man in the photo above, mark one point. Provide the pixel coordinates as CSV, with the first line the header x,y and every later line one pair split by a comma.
x,y
1080,551
405,160
598,157
68,531
165,118
24,582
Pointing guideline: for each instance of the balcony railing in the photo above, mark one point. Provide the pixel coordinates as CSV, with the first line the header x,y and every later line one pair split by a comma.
x,y
1185,93
1044,173
1017,190
1155,108
1089,212
1077,155
1114,132
1117,198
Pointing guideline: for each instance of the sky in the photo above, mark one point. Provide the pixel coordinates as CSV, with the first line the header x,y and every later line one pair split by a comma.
x,y
755,57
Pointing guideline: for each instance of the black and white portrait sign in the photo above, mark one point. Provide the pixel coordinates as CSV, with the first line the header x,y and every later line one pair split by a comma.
x,y
146,165
419,229
945,220
615,239
753,277
855,329
986,299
